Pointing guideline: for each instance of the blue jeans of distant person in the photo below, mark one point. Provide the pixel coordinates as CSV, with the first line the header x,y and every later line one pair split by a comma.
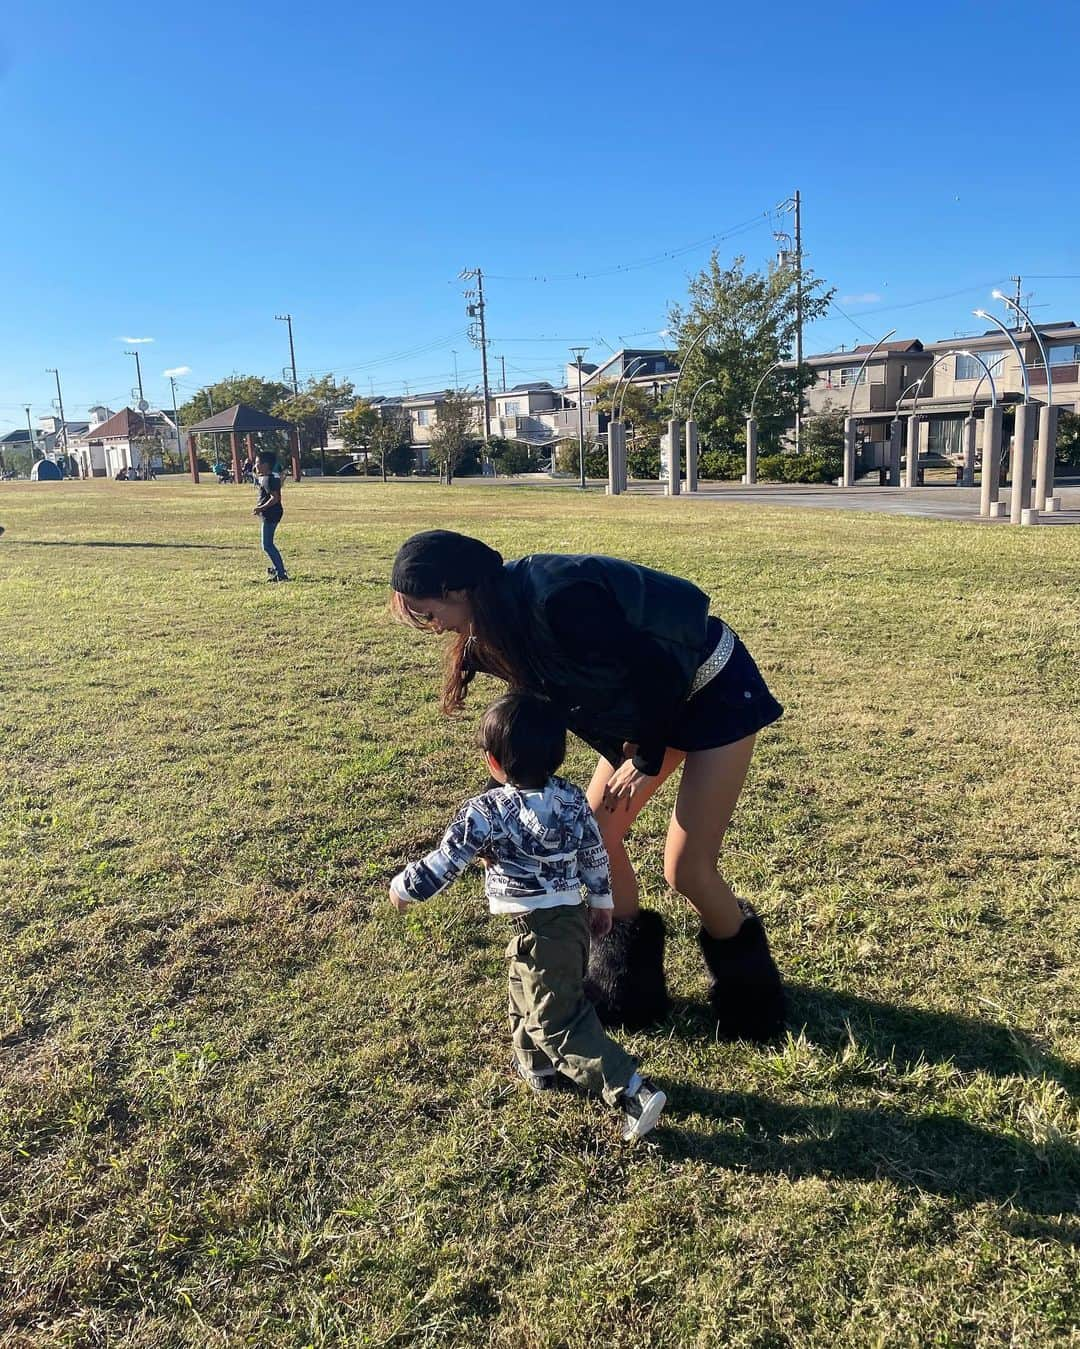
x,y
268,527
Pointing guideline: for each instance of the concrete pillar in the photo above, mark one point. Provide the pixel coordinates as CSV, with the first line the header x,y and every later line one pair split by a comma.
x,y
235,442
674,482
990,481
193,458
1023,447
691,456
914,438
896,438
1044,458
294,444
968,478
751,451
624,469
848,479
613,485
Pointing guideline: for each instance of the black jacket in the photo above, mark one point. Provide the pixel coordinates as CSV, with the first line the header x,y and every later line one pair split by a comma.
x,y
615,646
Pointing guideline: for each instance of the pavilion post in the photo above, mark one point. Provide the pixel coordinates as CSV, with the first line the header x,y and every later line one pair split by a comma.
x,y
235,441
294,442
250,447
193,458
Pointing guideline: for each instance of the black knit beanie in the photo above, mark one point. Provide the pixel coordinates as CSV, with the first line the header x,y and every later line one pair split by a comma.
x,y
438,560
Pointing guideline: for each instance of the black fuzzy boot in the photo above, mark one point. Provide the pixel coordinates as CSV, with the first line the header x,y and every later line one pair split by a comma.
x,y
745,989
625,982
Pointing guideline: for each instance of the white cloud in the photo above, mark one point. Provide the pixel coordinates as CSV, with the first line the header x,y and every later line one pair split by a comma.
x,y
177,371
868,297
133,341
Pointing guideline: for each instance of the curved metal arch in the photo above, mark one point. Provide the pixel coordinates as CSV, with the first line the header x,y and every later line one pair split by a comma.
x,y
626,386
624,380
999,295
704,385
982,314
866,362
682,365
913,385
953,351
775,366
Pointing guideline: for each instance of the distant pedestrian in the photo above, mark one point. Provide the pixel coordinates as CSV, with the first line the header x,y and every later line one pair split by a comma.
x,y
270,511
542,848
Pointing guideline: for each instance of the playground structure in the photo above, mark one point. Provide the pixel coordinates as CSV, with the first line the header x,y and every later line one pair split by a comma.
x,y
1031,461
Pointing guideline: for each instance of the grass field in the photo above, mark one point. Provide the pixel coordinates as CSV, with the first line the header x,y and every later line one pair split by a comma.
x,y
243,1102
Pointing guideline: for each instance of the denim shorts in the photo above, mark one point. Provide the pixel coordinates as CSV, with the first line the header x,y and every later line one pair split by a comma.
x,y
734,704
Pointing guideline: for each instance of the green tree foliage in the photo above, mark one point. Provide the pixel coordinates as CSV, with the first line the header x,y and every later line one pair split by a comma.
x,y
357,428
823,432
1068,438
512,456
454,439
263,394
391,441
751,318
312,409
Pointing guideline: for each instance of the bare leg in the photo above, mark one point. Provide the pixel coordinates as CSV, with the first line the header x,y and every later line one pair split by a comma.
x,y
615,824
712,782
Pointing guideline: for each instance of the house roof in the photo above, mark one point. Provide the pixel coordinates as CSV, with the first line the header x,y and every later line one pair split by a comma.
x,y
908,344
535,386
124,424
17,437
241,419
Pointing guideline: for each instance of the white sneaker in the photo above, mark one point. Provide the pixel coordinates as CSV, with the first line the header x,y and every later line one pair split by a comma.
x,y
642,1110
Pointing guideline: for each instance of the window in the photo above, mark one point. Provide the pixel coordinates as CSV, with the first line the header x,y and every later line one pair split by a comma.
x,y
944,435
848,375
969,368
512,409
423,417
1067,355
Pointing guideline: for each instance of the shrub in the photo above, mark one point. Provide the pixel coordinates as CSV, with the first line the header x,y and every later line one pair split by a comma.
x,y
818,467
721,465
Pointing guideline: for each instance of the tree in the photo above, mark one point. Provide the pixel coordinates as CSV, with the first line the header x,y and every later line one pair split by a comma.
x,y
259,393
311,411
1068,438
751,322
357,428
512,456
454,439
823,432
391,440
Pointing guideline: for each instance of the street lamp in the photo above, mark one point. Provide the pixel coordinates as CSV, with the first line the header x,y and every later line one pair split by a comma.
x,y
1044,468
578,353
704,385
1023,431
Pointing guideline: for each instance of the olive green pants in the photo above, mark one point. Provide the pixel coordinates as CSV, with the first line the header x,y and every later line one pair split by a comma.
x,y
553,1025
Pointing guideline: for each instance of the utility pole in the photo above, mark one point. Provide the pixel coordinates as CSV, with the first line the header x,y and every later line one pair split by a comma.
x,y
287,318
30,433
475,310
49,370
138,371
1019,296
503,360
454,354
578,353
176,420
798,322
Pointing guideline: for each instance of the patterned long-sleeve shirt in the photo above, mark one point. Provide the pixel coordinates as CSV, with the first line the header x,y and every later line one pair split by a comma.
x,y
542,848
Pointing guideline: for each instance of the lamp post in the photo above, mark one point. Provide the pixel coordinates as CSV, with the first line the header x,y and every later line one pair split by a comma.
x,y
616,433
1023,435
30,434
991,427
750,476
848,479
1044,467
578,353
692,440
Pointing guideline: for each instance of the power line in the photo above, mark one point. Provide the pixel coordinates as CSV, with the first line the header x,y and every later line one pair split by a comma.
x,y
755,220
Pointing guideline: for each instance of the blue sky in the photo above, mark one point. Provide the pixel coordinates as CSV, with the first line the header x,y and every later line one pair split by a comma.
x,y
186,173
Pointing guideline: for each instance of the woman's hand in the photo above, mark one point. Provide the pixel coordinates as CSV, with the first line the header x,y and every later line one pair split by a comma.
x,y
625,782
600,922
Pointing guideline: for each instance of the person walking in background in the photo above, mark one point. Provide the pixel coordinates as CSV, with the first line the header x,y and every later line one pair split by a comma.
x,y
542,847
270,511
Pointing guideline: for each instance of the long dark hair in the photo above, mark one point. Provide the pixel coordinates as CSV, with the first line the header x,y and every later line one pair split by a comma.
x,y
498,645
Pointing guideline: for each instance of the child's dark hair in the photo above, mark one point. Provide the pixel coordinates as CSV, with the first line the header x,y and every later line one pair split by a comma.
x,y
527,737
267,457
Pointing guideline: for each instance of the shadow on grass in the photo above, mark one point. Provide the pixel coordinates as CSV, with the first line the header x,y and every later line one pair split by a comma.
x,y
112,543
902,1034
933,1152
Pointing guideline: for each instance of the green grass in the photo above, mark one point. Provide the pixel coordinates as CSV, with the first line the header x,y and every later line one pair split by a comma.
x,y
243,1102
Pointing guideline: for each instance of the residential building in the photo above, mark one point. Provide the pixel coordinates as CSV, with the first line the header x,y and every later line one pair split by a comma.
x,y
125,441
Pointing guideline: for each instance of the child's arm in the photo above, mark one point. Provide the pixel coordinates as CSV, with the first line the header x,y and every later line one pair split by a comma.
x,y
470,831
275,500
595,872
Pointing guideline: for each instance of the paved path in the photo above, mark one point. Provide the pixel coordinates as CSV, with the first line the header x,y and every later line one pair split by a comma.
x,y
938,502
